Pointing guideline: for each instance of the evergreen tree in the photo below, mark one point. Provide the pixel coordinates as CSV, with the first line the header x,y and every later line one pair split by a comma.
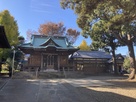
x,y
10,26
104,40
11,30
119,15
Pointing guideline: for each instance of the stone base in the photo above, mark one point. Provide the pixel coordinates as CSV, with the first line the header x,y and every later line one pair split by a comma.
x,y
50,70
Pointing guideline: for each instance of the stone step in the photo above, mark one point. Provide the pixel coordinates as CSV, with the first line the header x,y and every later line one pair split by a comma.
x,y
67,74
49,70
50,74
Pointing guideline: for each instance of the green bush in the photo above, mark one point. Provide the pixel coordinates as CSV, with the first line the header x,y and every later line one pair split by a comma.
x,y
126,63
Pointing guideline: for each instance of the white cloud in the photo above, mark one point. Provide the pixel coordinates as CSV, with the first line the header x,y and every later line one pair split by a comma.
x,y
42,11
47,5
41,6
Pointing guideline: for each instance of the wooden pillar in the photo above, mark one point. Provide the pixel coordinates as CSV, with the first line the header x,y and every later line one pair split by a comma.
x,y
59,62
42,61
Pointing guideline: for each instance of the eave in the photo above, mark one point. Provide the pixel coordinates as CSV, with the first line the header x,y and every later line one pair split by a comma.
x,y
3,39
29,50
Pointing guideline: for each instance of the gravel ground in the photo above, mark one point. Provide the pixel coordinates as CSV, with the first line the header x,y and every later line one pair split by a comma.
x,y
122,90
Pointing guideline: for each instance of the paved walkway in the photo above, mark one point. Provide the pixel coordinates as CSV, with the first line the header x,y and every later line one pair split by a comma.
x,y
3,82
60,90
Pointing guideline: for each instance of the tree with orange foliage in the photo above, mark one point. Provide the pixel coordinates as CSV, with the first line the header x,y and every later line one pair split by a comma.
x,y
52,29
72,35
55,29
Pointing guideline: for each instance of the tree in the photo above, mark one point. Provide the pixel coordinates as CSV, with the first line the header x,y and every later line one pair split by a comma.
x,y
21,39
51,28
104,40
29,33
83,46
126,63
55,29
11,30
119,15
11,27
72,35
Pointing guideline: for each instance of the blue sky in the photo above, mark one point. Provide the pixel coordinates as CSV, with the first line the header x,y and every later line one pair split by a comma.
x,y
31,13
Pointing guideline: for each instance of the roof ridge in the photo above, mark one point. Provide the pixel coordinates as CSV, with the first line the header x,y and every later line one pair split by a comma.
x,y
48,41
49,36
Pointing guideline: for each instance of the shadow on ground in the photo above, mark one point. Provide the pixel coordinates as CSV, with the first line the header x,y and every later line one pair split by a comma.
x,y
89,95
56,90
99,96
123,83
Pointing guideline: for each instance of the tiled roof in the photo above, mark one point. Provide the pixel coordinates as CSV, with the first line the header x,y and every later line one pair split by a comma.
x,y
118,57
42,41
91,54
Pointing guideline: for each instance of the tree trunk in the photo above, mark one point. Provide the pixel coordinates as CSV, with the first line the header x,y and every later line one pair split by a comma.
x,y
114,62
132,59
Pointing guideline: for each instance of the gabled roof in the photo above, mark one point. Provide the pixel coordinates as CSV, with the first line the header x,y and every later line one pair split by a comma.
x,y
43,42
3,39
50,42
91,54
119,57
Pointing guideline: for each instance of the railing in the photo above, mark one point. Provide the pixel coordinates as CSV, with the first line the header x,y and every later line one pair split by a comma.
x,y
64,72
67,68
32,68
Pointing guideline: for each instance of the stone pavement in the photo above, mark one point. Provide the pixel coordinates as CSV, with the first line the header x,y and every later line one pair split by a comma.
x,y
60,90
3,82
